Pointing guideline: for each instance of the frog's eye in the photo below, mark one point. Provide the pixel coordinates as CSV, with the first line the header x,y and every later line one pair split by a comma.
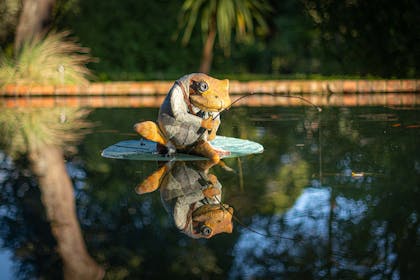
x,y
205,230
203,86
199,87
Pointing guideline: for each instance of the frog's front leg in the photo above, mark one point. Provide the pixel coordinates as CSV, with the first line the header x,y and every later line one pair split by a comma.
x,y
213,131
204,148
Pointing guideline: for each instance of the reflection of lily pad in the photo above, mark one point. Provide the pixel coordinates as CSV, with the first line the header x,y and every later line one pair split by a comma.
x,y
146,150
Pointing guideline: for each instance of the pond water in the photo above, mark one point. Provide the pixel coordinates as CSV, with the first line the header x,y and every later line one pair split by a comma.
x,y
335,194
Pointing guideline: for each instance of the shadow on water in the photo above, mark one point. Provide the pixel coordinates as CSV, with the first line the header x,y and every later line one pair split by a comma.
x,y
341,185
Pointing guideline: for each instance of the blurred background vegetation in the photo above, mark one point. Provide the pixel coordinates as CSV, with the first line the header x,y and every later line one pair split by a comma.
x,y
138,39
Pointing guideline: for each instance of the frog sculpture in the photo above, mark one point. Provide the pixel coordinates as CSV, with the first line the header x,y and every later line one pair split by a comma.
x,y
189,117
192,197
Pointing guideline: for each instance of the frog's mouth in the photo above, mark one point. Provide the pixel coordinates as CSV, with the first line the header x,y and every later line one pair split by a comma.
x,y
214,104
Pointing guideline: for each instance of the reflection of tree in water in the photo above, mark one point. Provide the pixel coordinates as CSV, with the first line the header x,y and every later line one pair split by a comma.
x,y
42,135
362,226
24,229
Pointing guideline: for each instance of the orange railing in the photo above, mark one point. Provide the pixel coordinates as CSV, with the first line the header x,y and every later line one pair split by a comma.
x,y
151,93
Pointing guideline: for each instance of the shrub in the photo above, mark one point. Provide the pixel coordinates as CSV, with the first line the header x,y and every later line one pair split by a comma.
x,y
53,60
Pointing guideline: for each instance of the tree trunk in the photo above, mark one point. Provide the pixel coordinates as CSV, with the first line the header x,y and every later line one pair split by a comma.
x,y
57,195
207,57
34,20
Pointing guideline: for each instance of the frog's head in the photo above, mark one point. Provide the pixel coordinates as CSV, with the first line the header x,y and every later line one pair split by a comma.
x,y
209,94
211,219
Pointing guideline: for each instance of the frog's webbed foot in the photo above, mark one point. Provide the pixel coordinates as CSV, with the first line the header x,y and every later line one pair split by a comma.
x,y
219,151
204,148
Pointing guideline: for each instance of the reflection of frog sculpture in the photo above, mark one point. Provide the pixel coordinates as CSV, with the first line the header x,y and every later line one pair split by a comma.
x,y
188,117
192,197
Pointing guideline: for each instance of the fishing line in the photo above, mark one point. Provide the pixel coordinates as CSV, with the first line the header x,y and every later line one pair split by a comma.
x,y
250,228
319,109
272,94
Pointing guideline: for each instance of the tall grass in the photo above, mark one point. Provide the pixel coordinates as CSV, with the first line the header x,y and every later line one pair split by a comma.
x,y
53,60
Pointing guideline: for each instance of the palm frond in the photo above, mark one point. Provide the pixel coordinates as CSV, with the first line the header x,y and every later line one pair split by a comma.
x,y
240,16
190,12
225,22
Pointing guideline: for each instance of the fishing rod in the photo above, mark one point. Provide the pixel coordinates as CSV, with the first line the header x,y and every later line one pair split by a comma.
x,y
272,94
319,109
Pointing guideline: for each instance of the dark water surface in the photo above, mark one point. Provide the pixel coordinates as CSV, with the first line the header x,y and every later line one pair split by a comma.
x,y
334,195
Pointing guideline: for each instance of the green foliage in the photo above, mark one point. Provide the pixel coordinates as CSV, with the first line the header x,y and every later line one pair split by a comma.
x,y
133,36
225,16
53,60
134,39
368,37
